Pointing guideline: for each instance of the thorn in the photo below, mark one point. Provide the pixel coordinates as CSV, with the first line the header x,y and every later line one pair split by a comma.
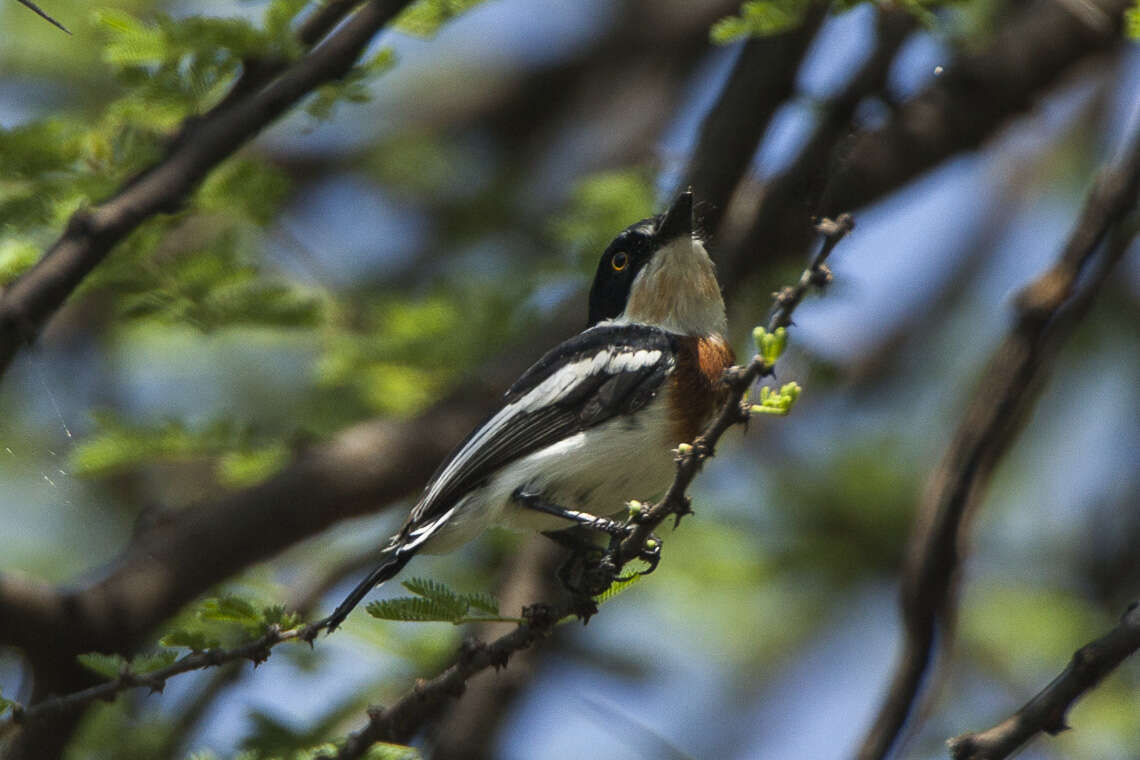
x,y
469,648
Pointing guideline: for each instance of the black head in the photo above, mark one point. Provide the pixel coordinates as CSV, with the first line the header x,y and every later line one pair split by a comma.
x,y
628,254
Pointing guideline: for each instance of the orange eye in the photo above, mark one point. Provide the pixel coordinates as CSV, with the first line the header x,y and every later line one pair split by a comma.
x,y
620,261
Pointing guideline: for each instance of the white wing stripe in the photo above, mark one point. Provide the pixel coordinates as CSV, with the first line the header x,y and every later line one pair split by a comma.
x,y
544,394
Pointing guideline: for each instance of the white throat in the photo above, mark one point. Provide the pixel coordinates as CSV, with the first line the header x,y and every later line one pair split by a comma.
x,y
677,291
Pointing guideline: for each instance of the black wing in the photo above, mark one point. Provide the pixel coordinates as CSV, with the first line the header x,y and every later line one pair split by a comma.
x,y
606,371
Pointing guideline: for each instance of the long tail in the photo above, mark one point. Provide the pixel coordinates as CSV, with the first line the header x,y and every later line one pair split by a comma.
x,y
394,560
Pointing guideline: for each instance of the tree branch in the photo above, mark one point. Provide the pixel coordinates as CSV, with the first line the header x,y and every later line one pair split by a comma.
x,y
202,144
256,651
1046,311
975,96
1046,711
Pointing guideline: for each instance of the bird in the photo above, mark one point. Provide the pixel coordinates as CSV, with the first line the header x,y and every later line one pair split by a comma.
x,y
595,421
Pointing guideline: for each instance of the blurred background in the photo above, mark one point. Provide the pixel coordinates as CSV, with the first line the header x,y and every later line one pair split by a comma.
x,y
365,257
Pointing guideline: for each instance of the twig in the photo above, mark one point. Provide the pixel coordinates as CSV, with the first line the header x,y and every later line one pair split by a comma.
x,y
1046,311
739,379
256,651
202,144
42,14
402,720
1045,713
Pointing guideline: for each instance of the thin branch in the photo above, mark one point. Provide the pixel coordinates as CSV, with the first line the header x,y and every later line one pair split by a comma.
x,y
42,14
468,730
256,651
401,721
1045,713
1046,311
202,144
739,379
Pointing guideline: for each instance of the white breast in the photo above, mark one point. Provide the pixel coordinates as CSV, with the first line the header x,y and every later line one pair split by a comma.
x,y
595,471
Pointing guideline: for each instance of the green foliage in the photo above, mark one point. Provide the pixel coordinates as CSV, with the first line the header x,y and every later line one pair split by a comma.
x,y
759,18
116,446
16,257
600,205
1132,21
777,402
205,48
120,731
195,641
425,17
435,602
352,87
245,468
401,353
771,345
624,583
43,174
225,621
111,666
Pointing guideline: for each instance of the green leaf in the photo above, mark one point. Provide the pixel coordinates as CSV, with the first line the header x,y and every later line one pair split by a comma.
x,y
425,17
483,602
386,751
279,17
232,609
280,616
148,663
195,641
107,665
1132,21
438,593
352,87
111,666
242,469
619,586
413,609
759,18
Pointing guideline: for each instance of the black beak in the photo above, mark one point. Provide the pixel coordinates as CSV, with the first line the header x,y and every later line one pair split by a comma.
x,y
678,220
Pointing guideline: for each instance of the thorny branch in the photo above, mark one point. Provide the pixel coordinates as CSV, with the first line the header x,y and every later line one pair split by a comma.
x,y
1046,711
256,651
739,379
1046,311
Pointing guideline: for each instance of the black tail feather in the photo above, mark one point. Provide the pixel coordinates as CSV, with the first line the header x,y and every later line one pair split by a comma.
x,y
392,564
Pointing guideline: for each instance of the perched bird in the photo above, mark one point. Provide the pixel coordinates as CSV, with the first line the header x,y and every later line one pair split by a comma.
x,y
594,422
